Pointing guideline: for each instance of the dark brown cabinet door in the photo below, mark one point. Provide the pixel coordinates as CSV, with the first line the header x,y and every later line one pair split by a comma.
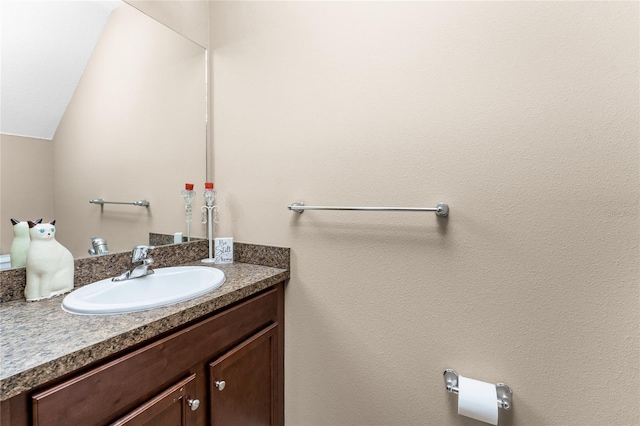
x,y
173,407
243,388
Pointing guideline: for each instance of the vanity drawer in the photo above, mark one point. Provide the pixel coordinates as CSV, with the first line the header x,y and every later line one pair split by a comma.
x,y
111,390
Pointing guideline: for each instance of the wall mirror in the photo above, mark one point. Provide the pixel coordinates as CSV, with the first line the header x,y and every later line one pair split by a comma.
x,y
133,129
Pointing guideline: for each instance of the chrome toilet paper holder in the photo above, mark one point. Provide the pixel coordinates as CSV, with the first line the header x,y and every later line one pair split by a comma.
x,y
503,391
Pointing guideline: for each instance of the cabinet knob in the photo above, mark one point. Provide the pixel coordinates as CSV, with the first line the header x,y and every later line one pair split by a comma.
x,y
220,384
193,403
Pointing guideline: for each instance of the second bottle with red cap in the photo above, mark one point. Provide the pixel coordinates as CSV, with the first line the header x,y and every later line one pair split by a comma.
x,y
209,193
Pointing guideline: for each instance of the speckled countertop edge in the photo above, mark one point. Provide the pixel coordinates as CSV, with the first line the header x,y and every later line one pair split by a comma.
x,y
94,268
41,342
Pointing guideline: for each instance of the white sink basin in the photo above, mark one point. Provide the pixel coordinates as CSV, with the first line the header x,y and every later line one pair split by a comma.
x,y
164,287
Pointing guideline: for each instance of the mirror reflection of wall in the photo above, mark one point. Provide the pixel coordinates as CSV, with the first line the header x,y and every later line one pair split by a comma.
x,y
134,129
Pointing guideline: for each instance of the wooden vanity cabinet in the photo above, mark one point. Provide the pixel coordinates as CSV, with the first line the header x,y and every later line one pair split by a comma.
x,y
242,386
172,381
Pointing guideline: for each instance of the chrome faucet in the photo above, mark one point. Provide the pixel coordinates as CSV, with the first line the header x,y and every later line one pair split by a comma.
x,y
139,255
98,246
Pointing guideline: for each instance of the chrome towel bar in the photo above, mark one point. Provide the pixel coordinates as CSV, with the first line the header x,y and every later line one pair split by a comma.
x,y
441,209
141,203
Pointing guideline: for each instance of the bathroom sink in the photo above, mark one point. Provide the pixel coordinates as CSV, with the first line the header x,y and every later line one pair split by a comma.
x,y
164,287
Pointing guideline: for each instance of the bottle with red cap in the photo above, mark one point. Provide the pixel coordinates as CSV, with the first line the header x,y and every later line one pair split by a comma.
x,y
188,194
209,193
209,197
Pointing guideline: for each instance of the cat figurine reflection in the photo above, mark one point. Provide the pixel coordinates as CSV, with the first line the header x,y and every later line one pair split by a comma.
x,y
20,243
49,263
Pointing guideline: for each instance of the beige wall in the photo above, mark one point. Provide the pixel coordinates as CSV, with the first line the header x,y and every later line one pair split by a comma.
x,y
523,116
26,183
188,17
135,129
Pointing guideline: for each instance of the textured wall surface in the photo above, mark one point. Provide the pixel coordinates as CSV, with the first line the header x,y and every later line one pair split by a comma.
x,y
523,116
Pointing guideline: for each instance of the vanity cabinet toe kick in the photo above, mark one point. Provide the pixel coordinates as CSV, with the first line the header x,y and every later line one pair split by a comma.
x,y
227,369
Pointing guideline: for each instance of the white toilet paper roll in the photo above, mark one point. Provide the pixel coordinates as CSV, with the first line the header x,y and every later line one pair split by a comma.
x,y
478,400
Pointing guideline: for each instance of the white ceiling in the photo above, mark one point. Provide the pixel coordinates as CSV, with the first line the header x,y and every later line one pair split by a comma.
x,y
45,46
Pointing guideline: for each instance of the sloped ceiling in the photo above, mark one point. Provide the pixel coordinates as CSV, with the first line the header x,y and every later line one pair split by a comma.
x,y
45,48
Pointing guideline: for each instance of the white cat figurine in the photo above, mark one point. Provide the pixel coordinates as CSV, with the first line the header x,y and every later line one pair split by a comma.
x,y
20,243
49,264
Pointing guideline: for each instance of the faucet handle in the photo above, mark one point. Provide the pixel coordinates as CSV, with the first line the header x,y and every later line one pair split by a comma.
x,y
139,253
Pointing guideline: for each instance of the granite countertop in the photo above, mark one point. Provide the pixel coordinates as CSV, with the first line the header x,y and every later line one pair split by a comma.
x,y
40,342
